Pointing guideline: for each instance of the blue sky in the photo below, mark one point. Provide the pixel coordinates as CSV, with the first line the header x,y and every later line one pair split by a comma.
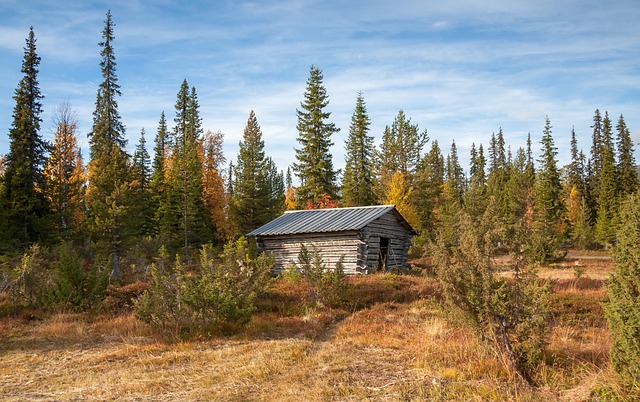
x,y
460,69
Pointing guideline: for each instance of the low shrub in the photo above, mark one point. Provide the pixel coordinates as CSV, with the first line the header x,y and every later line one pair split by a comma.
x,y
219,295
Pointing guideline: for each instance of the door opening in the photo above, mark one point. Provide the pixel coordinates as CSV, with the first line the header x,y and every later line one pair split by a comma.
x,y
384,252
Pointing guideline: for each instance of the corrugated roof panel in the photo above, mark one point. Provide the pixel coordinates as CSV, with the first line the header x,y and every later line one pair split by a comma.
x,y
322,220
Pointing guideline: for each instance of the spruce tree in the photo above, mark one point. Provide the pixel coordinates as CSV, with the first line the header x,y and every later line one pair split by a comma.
x,y
255,201
475,197
519,188
66,177
575,173
357,185
142,200
24,207
596,156
455,174
549,208
158,186
108,195
314,166
623,308
429,183
186,210
477,177
607,201
401,150
626,167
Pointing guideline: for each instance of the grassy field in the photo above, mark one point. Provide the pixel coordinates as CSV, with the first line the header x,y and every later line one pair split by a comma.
x,y
393,342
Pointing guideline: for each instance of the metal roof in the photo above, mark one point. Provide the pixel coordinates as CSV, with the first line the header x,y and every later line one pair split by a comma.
x,y
326,220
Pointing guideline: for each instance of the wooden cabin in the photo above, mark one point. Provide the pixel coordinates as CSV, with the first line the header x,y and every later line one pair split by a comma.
x,y
370,239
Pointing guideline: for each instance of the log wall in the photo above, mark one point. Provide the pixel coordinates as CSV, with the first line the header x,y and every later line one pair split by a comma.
x,y
331,246
386,226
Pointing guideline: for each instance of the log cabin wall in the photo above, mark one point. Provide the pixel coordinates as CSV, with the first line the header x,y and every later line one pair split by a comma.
x,y
331,246
399,240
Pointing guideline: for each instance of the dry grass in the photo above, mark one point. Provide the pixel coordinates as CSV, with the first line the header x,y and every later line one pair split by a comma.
x,y
392,342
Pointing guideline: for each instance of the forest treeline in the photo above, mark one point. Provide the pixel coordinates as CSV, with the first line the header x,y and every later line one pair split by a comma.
x,y
186,195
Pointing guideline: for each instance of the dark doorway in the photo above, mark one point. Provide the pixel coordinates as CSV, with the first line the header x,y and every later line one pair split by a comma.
x,y
384,252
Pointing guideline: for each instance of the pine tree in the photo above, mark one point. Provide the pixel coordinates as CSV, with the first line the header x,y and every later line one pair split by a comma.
x,y
626,167
608,199
141,175
576,196
623,308
66,177
475,197
455,174
185,198
142,163
549,208
314,164
108,194
497,155
429,182
275,182
24,207
498,174
596,155
401,150
255,200
519,190
357,185
530,168
158,183
230,179
575,174
477,177
288,181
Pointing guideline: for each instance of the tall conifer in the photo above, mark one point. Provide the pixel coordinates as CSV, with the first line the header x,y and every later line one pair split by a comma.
x,y
455,173
608,194
158,183
401,150
357,185
254,202
314,164
142,200
549,207
24,207
429,184
626,167
186,204
108,195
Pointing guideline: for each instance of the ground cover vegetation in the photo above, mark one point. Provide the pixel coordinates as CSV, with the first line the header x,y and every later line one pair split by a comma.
x,y
138,262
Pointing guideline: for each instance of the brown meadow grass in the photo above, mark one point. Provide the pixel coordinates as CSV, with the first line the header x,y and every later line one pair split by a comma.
x,y
392,341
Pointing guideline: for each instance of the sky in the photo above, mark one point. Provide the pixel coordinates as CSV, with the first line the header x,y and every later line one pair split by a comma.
x,y
461,69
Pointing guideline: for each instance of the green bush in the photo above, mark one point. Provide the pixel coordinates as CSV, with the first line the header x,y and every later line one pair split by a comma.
x,y
623,308
219,294
30,278
510,314
326,287
75,286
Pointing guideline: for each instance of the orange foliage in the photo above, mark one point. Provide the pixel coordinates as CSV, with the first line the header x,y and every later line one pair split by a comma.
x,y
324,202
